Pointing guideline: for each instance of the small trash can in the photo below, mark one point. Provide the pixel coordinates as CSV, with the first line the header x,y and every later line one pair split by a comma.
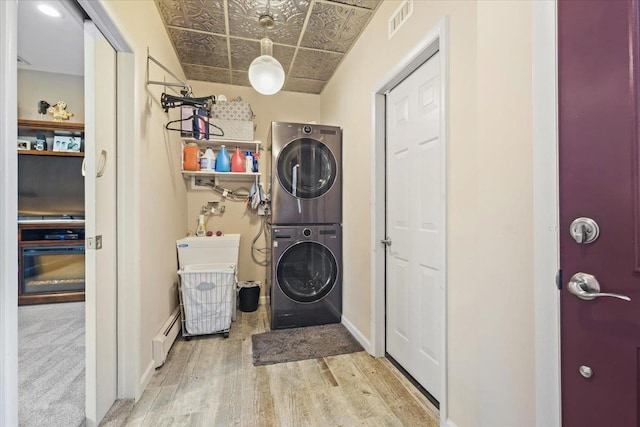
x,y
249,296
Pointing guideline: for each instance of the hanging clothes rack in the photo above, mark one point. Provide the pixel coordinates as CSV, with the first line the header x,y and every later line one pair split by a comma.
x,y
187,98
186,89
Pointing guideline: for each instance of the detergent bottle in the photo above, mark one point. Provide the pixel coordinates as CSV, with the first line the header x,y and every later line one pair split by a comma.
x,y
237,161
248,162
208,160
223,164
201,231
191,157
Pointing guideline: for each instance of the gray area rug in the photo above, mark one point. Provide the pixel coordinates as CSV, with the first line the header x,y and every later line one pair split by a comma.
x,y
51,360
312,342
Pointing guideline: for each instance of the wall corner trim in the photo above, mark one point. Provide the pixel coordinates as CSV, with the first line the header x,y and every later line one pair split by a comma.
x,y
364,342
146,376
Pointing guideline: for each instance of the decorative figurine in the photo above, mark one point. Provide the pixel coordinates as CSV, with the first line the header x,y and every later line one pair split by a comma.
x,y
59,112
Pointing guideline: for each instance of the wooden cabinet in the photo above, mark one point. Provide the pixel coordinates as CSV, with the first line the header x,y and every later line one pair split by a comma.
x,y
51,264
51,253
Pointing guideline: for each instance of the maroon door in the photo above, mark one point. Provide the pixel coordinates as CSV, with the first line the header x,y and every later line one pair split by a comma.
x,y
598,74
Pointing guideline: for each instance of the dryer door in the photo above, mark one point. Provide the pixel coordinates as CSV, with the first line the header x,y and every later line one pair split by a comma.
x,y
307,272
306,168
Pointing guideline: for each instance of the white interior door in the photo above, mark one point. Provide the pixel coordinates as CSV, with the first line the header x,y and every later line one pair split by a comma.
x,y
100,207
415,198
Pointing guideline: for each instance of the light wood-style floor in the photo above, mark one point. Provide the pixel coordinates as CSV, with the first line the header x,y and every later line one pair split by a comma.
x,y
211,381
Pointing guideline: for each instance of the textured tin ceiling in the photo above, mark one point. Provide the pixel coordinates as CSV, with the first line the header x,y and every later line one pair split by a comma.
x,y
216,40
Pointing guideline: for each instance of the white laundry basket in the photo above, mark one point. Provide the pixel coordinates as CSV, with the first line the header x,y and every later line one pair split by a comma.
x,y
207,298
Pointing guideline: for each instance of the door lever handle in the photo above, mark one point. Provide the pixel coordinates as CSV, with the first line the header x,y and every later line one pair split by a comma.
x,y
586,287
386,242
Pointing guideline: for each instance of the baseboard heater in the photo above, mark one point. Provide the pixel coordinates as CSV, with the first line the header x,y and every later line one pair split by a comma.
x,y
163,341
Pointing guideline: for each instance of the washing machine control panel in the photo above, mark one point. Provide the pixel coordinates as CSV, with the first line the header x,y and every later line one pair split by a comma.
x,y
306,232
306,129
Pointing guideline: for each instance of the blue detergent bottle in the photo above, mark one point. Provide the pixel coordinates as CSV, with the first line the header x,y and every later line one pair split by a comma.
x,y
223,162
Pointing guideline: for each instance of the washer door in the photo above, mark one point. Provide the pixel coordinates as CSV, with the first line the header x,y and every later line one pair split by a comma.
x,y
307,272
306,168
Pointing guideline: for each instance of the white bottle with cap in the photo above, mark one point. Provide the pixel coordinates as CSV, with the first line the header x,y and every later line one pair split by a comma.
x,y
208,160
249,162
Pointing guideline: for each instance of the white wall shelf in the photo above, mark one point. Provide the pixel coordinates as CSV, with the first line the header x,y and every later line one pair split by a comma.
x,y
241,176
226,142
205,180
197,177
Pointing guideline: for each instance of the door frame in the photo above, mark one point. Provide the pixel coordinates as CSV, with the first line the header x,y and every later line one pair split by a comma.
x,y
8,214
128,273
546,206
436,40
128,185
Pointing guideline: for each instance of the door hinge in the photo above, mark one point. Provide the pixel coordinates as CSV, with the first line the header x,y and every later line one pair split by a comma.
x,y
559,279
94,243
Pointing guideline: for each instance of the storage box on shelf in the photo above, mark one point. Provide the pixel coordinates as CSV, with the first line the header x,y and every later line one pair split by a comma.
x,y
196,177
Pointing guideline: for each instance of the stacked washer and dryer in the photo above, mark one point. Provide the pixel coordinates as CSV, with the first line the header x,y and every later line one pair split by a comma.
x,y
306,231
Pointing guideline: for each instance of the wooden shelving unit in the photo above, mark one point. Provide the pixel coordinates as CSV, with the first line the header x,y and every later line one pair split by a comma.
x,y
29,128
51,126
51,153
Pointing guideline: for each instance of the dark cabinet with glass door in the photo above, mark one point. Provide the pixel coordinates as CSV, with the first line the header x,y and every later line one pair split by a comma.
x,y
51,262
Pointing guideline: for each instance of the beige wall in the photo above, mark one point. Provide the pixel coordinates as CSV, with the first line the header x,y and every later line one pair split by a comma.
x,y
490,252
156,184
284,106
505,214
34,86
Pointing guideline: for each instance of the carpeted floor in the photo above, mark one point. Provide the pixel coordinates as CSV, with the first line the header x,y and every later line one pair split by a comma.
x,y
312,342
51,345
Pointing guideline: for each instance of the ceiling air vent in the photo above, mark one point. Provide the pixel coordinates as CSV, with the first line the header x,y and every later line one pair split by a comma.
x,y
400,16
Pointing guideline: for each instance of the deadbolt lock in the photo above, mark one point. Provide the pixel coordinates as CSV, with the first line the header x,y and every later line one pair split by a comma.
x,y
584,230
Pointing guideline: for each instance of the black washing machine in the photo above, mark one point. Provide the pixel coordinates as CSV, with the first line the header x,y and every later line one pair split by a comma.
x,y
306,176
306,275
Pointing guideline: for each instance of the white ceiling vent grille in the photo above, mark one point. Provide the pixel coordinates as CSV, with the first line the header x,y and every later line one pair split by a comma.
x,y
400,16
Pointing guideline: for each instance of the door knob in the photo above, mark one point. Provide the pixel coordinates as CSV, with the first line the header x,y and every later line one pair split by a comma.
x,y
386,242
585,286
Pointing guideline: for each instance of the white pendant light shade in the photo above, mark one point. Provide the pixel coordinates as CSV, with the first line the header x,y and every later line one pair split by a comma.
x,y
266,74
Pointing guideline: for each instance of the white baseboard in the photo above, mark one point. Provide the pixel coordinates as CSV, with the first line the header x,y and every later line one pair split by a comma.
x,y
450,423
146,376
364,342
263,300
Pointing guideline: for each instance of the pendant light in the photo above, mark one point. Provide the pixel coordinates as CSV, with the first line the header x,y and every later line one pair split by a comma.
x,y
265,72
